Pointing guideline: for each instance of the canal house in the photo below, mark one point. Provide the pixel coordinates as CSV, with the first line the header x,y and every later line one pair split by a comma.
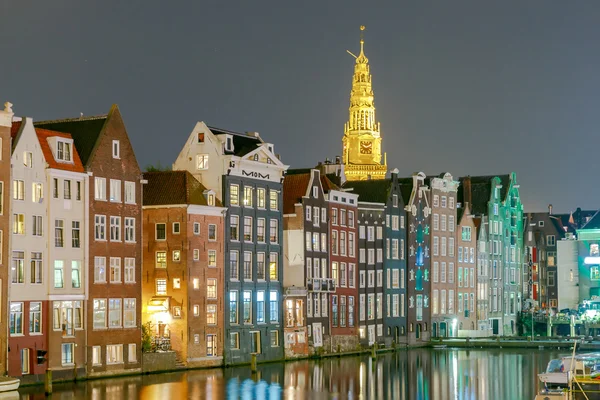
x,y
113,240
247,175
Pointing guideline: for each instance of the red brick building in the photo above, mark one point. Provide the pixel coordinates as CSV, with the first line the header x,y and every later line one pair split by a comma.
x,y
113,309
343,254
5,145
182,290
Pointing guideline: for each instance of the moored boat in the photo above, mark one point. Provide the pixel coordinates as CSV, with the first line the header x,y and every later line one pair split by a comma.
x,y
8,384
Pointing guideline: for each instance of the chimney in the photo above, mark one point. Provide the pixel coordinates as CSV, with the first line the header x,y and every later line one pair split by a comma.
x,y
550,209
394,174
338,159
467,190
6,115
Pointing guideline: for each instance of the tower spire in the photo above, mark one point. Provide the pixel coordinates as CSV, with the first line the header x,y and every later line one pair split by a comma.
x,y
362,140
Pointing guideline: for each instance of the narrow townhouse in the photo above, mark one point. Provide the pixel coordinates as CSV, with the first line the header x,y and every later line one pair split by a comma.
x,y
542,231
511,211
443,256
246,174
418,289
182,289
306,260
65,192
343,253
29,286
483,279
113,230
388,192
497,198
294,272
371,243
466,276
6,118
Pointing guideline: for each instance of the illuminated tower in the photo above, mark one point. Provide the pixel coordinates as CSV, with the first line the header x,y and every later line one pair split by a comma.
x,y
362,139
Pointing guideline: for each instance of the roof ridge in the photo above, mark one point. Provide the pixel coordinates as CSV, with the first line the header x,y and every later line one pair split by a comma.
x,y
228,131
90,118
51,131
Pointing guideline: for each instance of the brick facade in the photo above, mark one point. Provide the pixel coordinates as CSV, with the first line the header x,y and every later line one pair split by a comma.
x,y
5,219
183,270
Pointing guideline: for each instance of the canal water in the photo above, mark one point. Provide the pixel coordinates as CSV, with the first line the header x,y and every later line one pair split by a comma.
x,y
420,374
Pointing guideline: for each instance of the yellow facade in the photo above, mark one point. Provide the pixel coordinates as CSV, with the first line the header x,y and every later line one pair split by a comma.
x,y
362,139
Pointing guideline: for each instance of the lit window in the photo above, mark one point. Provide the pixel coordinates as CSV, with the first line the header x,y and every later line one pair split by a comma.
x,y
202,161
161,287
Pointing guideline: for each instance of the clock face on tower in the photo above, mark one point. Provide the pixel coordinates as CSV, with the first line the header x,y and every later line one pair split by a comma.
x,y
366,147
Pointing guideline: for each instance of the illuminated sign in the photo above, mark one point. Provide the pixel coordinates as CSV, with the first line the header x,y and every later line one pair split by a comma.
x,y
591,260
254,174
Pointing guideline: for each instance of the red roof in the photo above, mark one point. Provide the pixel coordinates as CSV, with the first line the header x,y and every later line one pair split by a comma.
x,y
16,125
327,184
294,188
43,135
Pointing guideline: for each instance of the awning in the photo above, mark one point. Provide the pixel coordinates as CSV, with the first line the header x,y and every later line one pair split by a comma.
x,y
158,304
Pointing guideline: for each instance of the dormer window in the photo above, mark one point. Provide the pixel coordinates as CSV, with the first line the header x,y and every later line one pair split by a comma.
x,y
63,151
116,149
209,195
228,143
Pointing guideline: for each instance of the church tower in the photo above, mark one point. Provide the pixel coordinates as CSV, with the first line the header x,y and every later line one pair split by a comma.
x,y
362,138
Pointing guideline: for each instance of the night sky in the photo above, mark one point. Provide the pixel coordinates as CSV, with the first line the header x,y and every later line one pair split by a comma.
x,y
467,87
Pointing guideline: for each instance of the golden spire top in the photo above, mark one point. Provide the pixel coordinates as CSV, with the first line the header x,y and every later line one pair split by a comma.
x,y
362,59
361,145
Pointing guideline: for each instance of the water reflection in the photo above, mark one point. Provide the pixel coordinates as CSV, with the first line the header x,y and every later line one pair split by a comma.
x,y
412,375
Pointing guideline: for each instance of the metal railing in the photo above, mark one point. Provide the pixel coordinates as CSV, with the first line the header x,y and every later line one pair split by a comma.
x,y
161,344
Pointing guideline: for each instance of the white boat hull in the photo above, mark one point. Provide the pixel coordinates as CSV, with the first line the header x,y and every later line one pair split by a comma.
x,y
9,384
555,378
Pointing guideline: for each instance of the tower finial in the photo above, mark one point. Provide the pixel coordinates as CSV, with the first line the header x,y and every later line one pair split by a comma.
x,y
362,37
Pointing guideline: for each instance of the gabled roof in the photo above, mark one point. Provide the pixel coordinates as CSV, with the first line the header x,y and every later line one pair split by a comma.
x,y
242,143
371,191
174,187
85,132
43,136
14,130
327,184
294,188
593,223
336,179
406,187
480,191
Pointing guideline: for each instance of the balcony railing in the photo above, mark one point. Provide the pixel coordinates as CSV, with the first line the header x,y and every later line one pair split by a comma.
x,y
326,285
161,344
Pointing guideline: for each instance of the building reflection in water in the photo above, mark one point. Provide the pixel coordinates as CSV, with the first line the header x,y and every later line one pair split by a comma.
x,y
405,375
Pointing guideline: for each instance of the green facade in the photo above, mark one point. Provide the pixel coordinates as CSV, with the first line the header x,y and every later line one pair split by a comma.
x,y
505,238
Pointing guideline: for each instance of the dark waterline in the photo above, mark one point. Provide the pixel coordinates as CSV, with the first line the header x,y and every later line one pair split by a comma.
x,y
416,374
